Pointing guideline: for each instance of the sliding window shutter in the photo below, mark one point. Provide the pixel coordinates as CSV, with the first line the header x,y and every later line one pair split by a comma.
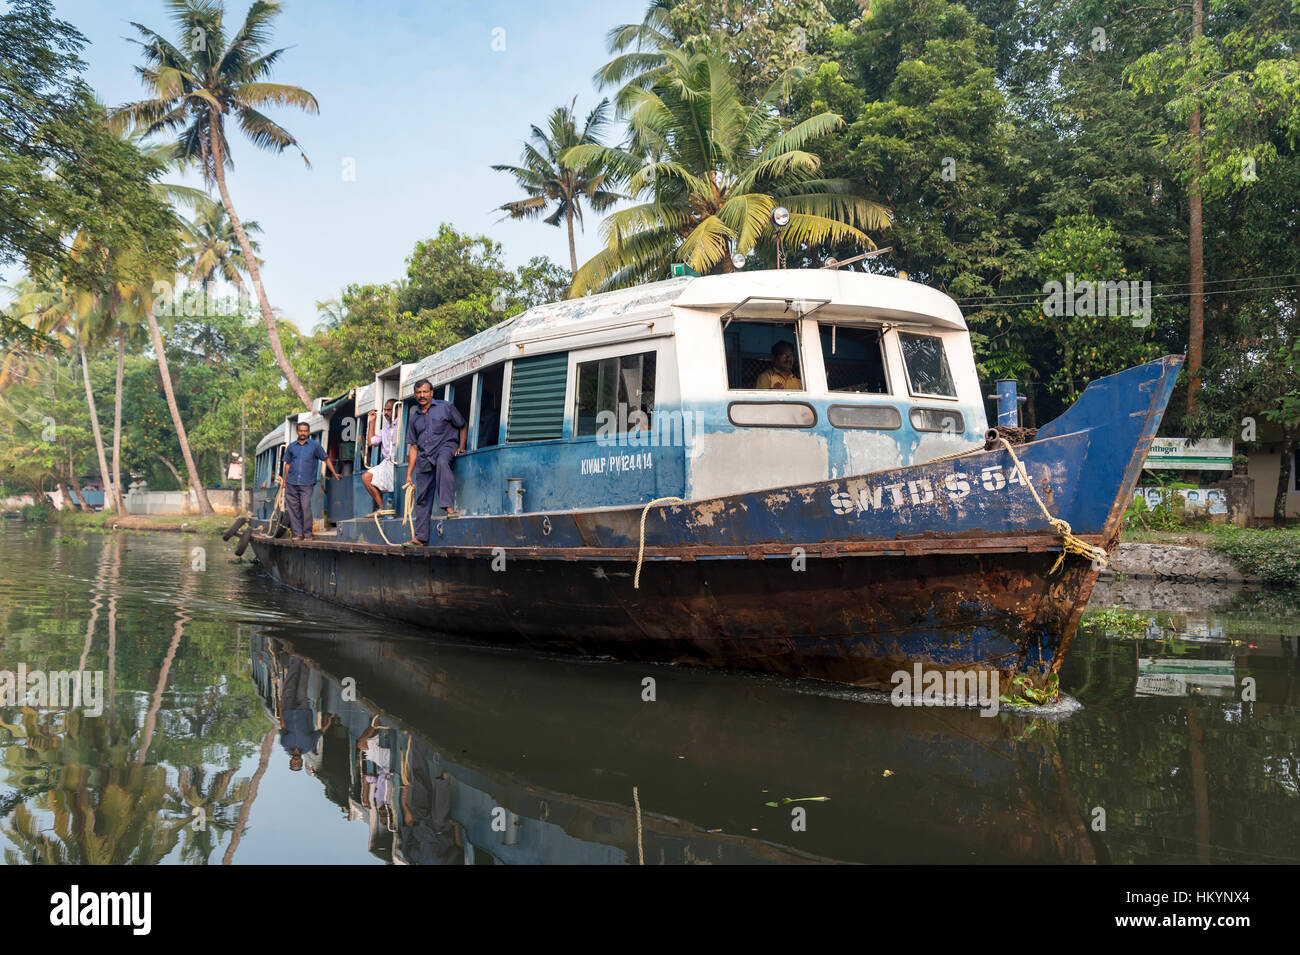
x,y
537,398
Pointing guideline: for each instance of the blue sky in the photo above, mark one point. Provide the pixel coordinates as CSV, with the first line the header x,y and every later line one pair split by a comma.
x,y
414,93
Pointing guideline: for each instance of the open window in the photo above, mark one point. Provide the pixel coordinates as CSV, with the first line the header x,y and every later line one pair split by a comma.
x,y
615,395
489,406
927,366
462,394
762,355
854,359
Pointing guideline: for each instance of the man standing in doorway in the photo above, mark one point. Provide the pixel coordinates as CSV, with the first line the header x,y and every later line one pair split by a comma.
x,y
436,434
300,475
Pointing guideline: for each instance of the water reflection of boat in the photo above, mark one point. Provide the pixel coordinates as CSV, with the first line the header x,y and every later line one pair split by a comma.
x,y
556,761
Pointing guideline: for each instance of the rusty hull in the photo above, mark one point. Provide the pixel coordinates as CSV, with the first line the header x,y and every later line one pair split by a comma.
x,y
856,615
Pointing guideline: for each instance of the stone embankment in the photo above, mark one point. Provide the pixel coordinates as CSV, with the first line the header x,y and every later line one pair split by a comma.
x,y
1172,562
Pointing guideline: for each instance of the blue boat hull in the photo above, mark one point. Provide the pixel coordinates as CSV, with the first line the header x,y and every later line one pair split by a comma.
x,y
951,564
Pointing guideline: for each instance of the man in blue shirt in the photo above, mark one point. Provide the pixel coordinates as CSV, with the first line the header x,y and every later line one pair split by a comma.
x,y
300,475
436,434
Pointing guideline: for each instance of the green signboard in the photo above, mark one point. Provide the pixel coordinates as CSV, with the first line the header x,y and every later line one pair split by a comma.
x,y
1186,454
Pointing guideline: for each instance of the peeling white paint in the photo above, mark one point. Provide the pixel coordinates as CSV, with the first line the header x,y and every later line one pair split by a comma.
x,y
753,459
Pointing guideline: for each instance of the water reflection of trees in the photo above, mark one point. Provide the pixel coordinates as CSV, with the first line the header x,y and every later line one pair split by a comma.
x,y
121,788
1188,779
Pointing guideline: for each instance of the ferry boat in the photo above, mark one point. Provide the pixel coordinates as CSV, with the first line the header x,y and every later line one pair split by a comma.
x,y
630,489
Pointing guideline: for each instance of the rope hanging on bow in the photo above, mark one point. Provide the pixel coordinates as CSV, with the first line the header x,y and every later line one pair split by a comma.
x,y
1070,543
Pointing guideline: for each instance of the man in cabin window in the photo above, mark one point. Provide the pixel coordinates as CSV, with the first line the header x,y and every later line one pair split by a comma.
x,y
781,375
435,434
300,476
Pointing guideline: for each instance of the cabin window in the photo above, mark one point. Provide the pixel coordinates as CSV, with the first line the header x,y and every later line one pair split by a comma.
x,y
615,395
537,387
854,359
489,406
771,414
927,366
937,419
871,417
754,353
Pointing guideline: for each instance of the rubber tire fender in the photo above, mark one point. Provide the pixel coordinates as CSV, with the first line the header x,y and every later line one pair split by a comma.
x,y
244,538
233,529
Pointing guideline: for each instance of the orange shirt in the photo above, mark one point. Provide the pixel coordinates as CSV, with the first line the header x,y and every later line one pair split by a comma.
x,y
776,379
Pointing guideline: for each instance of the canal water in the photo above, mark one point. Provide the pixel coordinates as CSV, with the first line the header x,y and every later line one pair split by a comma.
x,y
240,723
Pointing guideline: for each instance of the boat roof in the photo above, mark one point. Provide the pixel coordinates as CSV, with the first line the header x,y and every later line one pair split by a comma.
x,y
273,437
833,294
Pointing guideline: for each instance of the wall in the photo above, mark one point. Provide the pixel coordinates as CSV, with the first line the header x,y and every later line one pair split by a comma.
x,y
1233,501
1263,468
179,503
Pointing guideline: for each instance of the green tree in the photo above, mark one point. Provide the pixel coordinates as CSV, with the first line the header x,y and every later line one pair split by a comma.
x,y
214,248
195,84
760,40
61,172
546,177
1232,83
1092,342
720,168
455,286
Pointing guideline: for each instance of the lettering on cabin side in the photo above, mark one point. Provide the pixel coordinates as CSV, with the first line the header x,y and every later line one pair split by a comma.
x,y
951,488
452,372
617,463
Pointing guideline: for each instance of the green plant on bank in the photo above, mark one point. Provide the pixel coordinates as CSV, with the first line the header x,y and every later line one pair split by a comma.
x,y
1272,554
1115,622
36,513
1024,693
1164,516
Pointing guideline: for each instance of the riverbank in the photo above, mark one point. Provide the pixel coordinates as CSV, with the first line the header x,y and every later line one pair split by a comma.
x,y
1225,553
107,521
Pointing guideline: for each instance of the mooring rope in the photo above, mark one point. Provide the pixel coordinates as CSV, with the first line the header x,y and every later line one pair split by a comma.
x,y
383,512
408,509
640,551
1070,543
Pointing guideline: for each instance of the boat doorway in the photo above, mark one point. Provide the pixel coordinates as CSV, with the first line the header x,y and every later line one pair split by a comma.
x,y
341,449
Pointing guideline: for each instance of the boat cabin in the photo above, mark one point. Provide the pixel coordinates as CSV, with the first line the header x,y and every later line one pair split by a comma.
x,y
690,387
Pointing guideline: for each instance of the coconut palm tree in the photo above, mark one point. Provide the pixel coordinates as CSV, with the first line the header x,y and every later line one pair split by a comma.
x,y
214,248
72,316
638,53
195,86
125,300
717,171
546,178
